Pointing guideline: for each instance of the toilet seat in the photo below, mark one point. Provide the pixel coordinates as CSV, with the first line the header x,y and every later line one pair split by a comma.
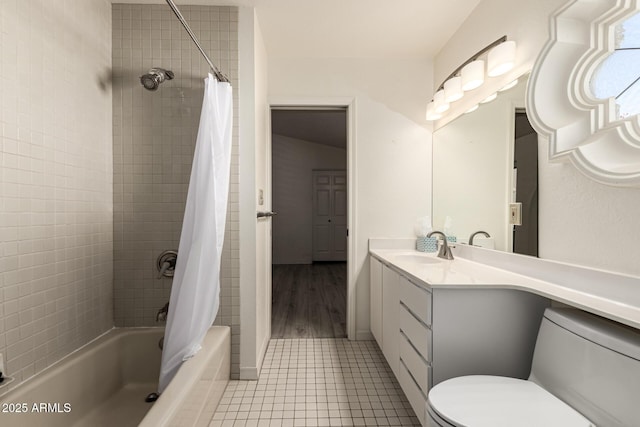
x,y
491,401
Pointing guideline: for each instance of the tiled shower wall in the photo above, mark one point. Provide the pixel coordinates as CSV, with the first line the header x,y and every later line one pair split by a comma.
x,y
154,136
56,248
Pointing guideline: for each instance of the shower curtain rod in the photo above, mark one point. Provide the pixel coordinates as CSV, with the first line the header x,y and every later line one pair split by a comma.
x,y
221,77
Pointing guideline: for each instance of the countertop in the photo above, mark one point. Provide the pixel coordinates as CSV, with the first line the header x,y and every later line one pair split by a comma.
x,y
435,273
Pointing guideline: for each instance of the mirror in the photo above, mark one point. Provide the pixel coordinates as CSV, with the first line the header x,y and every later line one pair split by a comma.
x,y
485,166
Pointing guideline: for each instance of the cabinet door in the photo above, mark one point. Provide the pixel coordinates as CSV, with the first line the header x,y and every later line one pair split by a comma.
x,y
376,299
390,317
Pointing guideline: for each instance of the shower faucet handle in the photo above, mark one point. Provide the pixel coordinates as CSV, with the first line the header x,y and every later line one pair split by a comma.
x,y
165,266
166,263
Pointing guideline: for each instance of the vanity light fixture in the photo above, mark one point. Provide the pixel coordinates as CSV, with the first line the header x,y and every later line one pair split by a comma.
x,y
431,112
489,98
472,109
471,75
441,104
501,58
453,89
509,86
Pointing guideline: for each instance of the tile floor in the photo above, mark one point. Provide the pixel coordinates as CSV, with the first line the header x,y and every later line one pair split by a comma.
x,y
318,382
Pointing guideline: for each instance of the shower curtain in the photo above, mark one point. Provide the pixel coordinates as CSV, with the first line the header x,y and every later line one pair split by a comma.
x,y
196,282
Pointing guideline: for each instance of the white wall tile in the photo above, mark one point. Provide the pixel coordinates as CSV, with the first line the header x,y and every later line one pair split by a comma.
x,y
56,181
154,138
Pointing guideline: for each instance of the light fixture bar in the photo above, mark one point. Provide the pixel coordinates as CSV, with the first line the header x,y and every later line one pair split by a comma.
x,y
473,58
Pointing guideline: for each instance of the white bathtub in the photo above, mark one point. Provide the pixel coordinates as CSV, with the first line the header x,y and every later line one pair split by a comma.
x,y
105,384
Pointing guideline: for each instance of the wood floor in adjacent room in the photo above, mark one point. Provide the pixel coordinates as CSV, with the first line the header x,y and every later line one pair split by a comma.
x,y
309,300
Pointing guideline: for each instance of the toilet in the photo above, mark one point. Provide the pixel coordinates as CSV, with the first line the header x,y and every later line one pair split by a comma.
x,y
585,373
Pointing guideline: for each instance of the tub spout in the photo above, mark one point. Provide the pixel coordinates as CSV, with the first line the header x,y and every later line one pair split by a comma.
x,y
161,315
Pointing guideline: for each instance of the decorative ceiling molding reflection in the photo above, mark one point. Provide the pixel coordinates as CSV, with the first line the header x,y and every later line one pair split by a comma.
x,y
560,102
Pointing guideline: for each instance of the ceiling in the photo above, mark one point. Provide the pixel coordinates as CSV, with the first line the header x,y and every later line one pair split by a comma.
x,y
351,28
327,127
373,29
359,28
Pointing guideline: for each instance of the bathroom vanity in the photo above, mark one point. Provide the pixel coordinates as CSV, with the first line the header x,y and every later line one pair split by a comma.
x,y
436,319
432,334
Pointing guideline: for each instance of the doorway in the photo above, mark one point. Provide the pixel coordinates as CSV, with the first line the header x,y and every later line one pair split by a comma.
x,y
525,172
309,234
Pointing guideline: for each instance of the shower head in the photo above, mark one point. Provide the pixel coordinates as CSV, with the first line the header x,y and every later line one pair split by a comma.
x,y
154,77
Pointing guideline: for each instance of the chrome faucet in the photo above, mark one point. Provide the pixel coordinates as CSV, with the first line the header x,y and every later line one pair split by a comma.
x,y
445,250
474,235
161,315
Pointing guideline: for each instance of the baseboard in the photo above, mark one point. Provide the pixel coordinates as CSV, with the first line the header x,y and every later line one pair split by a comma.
x,y
364,336
262,354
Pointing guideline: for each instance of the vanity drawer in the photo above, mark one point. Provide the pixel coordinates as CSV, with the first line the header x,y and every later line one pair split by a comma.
x,y
418,367
417,299
415,397
418,334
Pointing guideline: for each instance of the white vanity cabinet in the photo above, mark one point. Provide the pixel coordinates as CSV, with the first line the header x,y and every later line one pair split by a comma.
x,y
385,308
432,333
375,300
390,311
416,344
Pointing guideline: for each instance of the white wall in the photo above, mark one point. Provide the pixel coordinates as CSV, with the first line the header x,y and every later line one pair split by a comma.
x,y
56,222
293,163
263,181
255,239
392,152
581,221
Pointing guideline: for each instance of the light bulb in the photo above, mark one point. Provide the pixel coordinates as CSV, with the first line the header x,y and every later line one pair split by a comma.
x,y
441,104
489,98
431,112
509,85
472,75
501,58
453,89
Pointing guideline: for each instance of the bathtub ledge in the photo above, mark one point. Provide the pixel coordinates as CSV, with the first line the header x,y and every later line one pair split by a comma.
x,y
197,388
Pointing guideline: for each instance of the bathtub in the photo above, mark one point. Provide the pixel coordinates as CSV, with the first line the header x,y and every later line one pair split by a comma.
x,y
105,384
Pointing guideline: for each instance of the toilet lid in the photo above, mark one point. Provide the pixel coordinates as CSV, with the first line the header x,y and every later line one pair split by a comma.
x,y
490,401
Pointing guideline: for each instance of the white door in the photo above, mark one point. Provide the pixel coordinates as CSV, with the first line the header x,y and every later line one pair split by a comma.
x,y
329,215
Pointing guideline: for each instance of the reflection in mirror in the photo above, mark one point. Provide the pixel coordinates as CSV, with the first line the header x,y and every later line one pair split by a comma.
x,y
525,184
617,76
483,163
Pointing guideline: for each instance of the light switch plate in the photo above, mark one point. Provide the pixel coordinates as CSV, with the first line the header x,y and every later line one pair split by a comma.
x,y
515,213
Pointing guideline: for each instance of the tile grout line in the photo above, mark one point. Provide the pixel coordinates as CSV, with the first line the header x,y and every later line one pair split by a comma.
x,y
317,382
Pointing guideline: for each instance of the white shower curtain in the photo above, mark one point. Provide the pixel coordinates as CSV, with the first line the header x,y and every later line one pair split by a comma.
x,y
196,282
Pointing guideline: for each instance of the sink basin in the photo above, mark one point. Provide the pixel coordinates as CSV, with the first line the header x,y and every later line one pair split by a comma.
x,y
419,259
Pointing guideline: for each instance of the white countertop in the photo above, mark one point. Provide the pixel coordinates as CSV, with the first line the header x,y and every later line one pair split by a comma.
x,y
465,274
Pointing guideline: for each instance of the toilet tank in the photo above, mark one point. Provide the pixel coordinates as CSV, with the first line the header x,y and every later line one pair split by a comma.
x,y
591,363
